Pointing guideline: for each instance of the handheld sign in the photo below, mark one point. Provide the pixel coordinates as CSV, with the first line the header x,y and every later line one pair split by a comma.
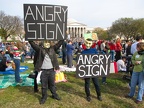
x,y
45,22
92,65
92,36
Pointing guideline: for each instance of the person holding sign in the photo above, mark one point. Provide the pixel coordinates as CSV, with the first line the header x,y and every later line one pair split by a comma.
x,y
89,50
47,63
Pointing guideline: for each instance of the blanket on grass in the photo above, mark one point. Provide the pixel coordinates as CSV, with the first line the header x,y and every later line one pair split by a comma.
x,y
9,80
10,70
64,68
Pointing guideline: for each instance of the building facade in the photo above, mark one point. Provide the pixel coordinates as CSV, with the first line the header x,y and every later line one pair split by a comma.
x,y
75,29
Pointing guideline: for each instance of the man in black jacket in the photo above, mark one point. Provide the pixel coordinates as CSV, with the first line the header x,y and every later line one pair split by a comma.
x,y
64,52
47,62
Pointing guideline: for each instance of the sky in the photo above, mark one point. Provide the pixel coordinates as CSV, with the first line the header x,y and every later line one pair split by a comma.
x,y
93,13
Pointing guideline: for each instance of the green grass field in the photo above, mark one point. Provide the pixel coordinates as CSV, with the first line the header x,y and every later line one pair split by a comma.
x,y
72,93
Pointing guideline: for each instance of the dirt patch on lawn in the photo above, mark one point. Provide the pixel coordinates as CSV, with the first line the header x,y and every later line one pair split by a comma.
x,y
1,90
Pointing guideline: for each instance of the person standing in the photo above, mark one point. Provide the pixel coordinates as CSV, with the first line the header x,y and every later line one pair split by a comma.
x,y
112,50
89,50
133,49
125,46
105,51
118,49
47,63
64,45
69,49
128,49
138,74
102,47
129,55
16,58
36,72
134,45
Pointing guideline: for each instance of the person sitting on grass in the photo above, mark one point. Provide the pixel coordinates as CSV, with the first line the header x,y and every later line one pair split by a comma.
x,y
121,64
3,63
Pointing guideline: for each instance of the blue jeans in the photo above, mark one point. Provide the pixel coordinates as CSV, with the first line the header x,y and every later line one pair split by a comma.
x,y
112,55
17,69
102,52
137,77
22,58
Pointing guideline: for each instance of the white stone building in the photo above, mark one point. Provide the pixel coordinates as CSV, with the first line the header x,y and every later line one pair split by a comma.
x,y
75,28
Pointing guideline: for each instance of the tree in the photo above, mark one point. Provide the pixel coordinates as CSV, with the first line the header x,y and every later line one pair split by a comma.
x,y
140,26
88,31
102,34
10,25
127,27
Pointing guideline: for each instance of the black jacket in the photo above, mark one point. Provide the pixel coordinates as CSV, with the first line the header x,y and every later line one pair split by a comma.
x,y
41,54
3,65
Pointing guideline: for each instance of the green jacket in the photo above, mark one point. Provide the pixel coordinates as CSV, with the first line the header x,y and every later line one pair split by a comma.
x,y
138,57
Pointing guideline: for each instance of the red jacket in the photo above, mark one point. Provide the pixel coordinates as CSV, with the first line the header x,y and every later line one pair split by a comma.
x,y
118,46
93,46
112,46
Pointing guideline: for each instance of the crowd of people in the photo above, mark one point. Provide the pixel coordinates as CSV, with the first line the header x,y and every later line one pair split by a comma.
x,y
12,54
45,60
125,54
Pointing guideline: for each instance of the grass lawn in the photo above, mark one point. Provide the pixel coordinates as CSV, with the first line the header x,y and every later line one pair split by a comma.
x,y
72,94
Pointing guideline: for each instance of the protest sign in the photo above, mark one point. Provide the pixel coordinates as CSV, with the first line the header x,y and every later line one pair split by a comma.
x,y
92,65
45,22
92,36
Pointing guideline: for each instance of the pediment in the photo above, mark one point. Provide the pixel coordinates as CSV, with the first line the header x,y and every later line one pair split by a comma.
x,y
75,24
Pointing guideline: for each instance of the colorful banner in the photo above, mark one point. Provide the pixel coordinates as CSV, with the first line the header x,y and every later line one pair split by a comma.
x,y
92,36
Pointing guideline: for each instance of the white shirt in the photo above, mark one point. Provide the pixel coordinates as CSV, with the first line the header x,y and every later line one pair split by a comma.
x,y
102,46
121,65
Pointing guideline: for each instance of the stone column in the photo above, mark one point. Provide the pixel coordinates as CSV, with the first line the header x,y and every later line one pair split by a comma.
x,y
74,32
83,31
80,32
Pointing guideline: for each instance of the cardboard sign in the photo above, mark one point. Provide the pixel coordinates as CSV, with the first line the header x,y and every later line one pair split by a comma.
x,y
92,36
92,65
45,22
